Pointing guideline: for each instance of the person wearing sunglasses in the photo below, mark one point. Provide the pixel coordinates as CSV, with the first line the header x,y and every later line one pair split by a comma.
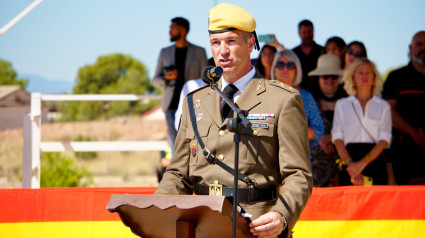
x,y
355,50
287,69
327,75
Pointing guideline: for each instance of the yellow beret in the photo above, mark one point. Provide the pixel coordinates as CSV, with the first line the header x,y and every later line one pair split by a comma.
x,y
225,17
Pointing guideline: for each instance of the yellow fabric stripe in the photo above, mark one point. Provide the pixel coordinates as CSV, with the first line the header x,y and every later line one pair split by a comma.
x,y
363,228
78,229
303,229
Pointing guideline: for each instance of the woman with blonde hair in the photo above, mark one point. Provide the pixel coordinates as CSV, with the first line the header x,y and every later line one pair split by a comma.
x,y
362,126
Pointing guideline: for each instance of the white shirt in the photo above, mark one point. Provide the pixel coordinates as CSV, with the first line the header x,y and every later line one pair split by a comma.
x,y
240,84
188,87
377,121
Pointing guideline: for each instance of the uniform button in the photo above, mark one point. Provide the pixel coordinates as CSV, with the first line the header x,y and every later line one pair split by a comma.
x,y
254,133
220,157
193,136
221,133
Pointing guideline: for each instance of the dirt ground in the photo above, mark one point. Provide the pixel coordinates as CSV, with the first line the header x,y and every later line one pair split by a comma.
x,y
110,169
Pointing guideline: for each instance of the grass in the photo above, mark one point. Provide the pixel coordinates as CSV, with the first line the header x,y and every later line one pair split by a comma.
x,y
131,168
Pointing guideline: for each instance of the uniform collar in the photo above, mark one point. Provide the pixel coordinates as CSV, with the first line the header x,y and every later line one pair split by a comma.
x,y
242,82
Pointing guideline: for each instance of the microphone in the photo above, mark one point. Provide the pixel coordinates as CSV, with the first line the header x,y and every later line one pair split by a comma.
x,y
211,74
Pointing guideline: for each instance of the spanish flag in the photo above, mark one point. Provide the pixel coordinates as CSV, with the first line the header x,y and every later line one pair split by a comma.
x,y
354,211
364,211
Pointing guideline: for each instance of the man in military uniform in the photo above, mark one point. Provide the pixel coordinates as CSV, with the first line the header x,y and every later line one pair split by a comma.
x,y
273,153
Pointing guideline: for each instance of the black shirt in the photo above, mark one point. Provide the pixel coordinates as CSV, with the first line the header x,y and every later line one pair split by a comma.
x,y
407,86
308,62
180,65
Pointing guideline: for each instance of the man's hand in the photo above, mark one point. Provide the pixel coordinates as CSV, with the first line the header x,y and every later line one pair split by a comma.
x,y
419,137
171,75
268,225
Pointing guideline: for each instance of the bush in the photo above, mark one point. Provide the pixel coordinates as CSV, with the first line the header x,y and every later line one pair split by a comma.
x,y
85,154
62,171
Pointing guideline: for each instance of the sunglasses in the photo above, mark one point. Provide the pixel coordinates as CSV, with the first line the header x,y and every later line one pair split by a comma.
x,y
333,77
356,54
289,65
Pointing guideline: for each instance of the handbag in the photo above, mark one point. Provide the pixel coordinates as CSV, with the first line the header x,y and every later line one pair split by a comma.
x,y
389,166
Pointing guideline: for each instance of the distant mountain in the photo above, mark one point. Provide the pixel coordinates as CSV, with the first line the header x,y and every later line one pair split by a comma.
x,y
46,86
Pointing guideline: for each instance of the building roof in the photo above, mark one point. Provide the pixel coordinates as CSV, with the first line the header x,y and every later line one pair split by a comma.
x,y
6,90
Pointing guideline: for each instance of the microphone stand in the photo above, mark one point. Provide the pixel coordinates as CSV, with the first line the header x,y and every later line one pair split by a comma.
x,y
234,125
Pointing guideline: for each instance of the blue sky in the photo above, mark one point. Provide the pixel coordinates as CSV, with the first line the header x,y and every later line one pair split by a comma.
x,y
58,37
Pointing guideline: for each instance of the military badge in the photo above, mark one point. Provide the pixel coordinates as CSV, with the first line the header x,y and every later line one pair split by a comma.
x,y
197,104
199,117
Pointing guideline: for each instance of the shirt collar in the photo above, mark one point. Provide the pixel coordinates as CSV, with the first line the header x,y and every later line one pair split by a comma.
x,y
373,99
242,82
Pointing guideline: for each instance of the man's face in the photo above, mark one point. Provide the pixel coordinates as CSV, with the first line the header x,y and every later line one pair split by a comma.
x,y
175,32
306,34
417,48
232,52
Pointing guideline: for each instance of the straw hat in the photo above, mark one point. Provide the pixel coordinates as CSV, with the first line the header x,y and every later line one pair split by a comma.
x,y
327,64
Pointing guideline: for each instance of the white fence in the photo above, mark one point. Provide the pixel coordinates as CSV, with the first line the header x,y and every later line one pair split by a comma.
x,y
32,135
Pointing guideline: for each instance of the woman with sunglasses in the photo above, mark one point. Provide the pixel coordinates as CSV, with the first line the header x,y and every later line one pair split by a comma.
x,y
286,68
355,50
362,126
327,75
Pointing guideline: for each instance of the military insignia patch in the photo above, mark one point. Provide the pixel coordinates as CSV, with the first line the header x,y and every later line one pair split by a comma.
x,y
197,104
199,117
193,150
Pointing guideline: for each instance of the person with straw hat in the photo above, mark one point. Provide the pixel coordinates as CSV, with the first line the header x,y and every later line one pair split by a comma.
x,y
328,90
273,153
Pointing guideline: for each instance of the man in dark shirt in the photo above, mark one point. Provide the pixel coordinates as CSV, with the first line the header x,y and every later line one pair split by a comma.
x,y
176,65
404,91
308,51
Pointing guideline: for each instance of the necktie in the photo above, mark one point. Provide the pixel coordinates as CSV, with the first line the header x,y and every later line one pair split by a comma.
x,y
229,91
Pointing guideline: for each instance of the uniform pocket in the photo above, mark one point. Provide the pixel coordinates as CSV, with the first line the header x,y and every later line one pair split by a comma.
x,y
196,156
257,145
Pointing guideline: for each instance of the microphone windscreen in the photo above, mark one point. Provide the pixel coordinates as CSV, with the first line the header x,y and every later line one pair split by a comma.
x,y
204,75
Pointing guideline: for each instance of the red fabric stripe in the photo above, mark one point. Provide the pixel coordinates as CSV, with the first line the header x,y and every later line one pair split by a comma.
x,y
89,204
411,92
61,204
366,203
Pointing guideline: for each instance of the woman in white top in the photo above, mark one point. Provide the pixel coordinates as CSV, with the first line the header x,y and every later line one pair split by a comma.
x,y
362,125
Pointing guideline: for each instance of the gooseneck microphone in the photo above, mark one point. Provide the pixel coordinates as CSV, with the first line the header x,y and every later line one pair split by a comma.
x,y
211,74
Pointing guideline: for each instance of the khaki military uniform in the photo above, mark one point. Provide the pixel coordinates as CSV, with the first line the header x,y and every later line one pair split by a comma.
x,y
274,152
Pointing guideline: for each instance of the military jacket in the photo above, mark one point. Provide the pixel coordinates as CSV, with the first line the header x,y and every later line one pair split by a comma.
x,y
273,152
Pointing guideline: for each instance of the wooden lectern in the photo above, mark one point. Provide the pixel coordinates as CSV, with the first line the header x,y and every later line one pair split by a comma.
x,y
181,216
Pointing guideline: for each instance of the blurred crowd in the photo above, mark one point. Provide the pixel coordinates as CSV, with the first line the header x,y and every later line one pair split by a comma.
x,y
362,130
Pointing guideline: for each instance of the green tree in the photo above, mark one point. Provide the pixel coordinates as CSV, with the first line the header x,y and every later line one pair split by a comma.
x,y
8,75
111,74
61,171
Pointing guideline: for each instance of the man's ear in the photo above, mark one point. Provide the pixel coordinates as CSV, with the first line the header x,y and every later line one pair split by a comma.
x,y
251,43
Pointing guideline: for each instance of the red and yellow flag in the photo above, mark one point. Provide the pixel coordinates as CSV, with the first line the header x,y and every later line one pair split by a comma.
x,y
355,211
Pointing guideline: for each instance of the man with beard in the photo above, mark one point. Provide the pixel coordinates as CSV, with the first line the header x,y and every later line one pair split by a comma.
x,y
176,65
308,51
404,91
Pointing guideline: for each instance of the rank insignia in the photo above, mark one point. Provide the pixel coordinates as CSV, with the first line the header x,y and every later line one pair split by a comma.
x,y
193,150
197,104
199,117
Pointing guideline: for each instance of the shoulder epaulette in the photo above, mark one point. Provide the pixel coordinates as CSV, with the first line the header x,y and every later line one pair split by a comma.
x,y
279,84
199,89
